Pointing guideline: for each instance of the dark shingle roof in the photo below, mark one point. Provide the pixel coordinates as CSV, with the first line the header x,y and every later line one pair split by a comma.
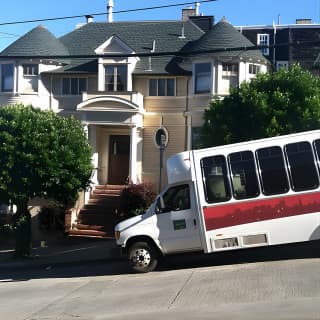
x,y
140,37
38,41
224,36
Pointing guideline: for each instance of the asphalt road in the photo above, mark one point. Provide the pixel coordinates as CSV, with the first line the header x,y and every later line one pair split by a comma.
x,y
277,283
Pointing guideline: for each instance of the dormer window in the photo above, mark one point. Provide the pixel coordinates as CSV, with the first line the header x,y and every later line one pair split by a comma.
x,y
116,77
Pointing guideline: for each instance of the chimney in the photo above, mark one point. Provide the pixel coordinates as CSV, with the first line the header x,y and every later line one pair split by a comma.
x,y
303,21
187,12
197,6
89,18
110,11
190,12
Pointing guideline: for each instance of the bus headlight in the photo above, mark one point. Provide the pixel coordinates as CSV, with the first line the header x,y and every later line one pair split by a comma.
x,y
117,235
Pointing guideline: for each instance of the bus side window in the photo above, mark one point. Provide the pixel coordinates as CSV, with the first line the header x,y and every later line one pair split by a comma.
x,y
244,177
176,198
302,168
215,179
273,173
316,144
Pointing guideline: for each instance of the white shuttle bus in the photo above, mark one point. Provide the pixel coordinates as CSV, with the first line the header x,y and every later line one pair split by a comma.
x,y
256,193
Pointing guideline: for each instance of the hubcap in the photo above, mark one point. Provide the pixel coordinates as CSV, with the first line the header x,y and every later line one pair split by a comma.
x,y
140,258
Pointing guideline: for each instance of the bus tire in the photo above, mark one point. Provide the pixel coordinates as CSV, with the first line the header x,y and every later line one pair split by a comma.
x,y
143,257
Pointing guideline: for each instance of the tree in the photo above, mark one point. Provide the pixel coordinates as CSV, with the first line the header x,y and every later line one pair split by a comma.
x,y
42,155
272,104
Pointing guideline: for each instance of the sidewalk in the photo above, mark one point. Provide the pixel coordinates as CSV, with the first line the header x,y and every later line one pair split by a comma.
x,y
62,251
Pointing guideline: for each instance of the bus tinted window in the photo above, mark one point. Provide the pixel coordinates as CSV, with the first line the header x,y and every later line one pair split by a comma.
x,y
272,170
215,177
302,169
317,147
244,178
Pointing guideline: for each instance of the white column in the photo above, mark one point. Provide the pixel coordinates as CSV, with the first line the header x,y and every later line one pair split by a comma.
x,y
16,75
92,137
133,154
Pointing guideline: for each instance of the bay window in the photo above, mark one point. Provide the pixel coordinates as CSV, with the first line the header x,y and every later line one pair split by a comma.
x,y
202,78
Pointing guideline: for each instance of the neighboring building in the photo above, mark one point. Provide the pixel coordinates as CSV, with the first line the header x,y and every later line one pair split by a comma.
x,y
289,44
122,95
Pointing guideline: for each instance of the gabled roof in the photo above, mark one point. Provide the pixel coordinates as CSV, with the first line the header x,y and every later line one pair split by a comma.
x,y
223,36
38,41
138,35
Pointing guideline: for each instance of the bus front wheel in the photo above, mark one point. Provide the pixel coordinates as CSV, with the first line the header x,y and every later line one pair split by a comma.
x,y
143,257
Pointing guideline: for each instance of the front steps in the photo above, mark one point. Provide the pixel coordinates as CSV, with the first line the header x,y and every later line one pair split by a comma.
x,y
99,217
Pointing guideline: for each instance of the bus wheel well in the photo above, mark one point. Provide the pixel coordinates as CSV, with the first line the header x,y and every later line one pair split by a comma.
x,y
146,239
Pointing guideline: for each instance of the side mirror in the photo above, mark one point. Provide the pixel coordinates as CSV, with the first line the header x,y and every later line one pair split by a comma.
x,y
159,205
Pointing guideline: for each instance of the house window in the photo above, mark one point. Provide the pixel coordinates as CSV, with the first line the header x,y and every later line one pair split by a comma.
x,y
30,69
162,87
254,68
263,39
203,78
230,69
116,78
7,71
197,139
74,86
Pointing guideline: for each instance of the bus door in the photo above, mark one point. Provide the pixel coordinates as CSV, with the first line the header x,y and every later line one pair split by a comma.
x,y
177,220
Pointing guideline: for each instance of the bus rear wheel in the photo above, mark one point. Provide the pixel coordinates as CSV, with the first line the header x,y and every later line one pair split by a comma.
x,y
143,257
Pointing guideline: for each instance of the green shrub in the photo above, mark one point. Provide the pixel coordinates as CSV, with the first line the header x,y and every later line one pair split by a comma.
x,y
136,198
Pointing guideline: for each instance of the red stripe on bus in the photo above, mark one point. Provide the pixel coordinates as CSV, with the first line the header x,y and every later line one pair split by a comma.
x,y
227,215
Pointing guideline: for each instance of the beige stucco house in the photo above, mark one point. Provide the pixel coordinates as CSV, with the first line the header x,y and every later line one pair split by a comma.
x,y
126,80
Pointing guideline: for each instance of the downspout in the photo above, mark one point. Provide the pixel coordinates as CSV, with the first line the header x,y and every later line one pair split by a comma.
x,y
50,94
16,78
187,146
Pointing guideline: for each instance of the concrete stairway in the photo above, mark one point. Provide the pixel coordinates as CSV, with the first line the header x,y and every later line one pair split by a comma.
x,y
100,215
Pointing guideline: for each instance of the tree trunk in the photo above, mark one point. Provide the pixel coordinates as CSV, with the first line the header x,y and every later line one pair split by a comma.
x,y
23,231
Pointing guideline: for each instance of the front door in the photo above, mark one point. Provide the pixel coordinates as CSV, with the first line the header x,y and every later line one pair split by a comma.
x,y
177,220
119,155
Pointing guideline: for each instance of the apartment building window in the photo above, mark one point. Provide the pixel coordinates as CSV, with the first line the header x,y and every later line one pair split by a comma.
x,y
254,68
263,39
202,78
162,87
7,79
74,86
282,65
116,78
30,69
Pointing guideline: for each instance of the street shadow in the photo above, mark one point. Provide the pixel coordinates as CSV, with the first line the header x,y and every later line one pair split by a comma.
x,y
306,250
120,266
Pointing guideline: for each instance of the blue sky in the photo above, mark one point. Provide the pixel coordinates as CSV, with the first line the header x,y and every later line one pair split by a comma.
x,y
237,12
